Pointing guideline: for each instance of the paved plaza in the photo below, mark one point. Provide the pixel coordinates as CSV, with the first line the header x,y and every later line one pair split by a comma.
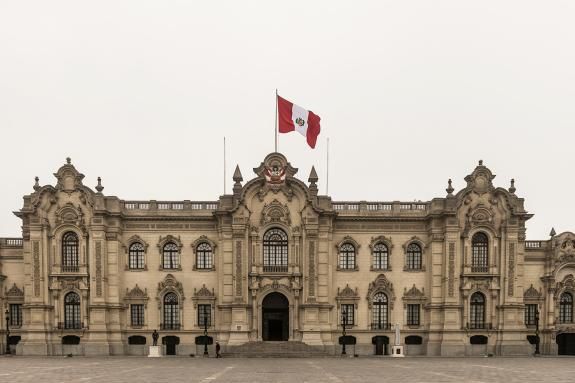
x,y
333,370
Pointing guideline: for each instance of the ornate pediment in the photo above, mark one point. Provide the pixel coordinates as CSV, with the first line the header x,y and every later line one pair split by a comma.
x,y
481,180
137,293
347,292
69,214
275,212
532,294
170,283
567,284
564,248
133,239
170,238
413,293
69,179
14,292
383,285
204,292
275,169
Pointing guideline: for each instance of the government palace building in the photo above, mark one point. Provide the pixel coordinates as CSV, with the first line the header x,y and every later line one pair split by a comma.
x,y
275,267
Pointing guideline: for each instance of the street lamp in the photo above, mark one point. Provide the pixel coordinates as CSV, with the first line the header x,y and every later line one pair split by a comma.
x,y
205,334
537,330
7,332
343,324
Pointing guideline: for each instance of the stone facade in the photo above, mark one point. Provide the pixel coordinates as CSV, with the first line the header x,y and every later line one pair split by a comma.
x,y
276,261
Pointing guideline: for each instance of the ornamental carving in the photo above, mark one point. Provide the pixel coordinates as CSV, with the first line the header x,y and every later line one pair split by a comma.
x,y
564,248
275,212
347,292
170,283
14,292
567,284
532,294
204,292
380,284
381,239
170,238
136,292
413,293
133,239
68,214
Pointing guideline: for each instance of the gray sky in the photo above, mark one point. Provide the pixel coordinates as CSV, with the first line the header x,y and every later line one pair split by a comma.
x,y
410,93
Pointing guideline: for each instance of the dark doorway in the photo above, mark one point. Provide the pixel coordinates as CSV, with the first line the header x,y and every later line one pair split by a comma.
x,y
275,317
380,343
171,342
566,344
70,339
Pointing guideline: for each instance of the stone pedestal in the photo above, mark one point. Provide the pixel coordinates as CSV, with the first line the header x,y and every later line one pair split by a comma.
x,y
155,352
397,351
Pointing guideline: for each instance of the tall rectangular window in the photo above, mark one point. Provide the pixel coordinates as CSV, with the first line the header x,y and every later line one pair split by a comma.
x,y
347,312
204,315
15,315
530,313
413,315
137,315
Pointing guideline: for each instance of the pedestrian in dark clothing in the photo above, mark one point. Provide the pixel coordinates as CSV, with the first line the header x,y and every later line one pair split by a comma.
x,y
218,355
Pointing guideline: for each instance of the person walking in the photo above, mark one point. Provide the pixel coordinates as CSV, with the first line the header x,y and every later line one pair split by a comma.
x,y
218,355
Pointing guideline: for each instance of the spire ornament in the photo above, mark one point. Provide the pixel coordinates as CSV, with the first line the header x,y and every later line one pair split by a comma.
x,y
36,184
552,233
237,177
99,187
449,189
312,179
512,187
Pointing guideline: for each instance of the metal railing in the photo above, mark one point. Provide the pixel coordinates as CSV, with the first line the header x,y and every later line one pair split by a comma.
x,y
70,269
170,326
479,326
275,269
381,326
479,269
70,325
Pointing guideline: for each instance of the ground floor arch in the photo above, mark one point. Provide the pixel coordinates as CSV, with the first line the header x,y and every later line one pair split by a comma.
x,y
275,317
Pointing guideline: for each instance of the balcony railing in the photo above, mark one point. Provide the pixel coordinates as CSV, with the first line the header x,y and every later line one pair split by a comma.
x,y
70,269
170,205
170,326
533,244
275,269
70,325
381,326
479,269
479,326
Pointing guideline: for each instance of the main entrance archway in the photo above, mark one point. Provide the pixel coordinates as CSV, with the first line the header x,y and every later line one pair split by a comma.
x,y
275,317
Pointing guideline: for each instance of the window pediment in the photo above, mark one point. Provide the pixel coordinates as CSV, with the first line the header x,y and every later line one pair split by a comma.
x,y
414,294
532,294
381,284
170,238
133,239
275,212
347,293
136,294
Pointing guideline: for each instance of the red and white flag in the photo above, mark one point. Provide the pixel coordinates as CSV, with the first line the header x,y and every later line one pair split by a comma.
x,y
293,117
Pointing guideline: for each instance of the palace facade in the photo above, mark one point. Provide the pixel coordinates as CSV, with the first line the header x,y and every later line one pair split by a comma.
x,y
274,261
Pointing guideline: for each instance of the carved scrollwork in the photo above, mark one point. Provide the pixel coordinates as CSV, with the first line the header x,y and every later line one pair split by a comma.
x,y
275,212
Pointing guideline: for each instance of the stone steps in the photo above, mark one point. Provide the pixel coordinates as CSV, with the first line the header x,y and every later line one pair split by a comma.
x,y
290,349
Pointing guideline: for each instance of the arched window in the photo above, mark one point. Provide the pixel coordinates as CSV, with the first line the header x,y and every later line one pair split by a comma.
x,y
275,251
566,308
170,256
136,256
347,257
379,312
477,311
72,317
204,256
480,253
70,256
171,312
413,257
380,257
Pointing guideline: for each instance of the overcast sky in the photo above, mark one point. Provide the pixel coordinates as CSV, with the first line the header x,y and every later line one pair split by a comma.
x,y
411,93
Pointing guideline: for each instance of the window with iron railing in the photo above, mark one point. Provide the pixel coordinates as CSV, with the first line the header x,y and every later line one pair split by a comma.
x,y
171,312
204,315
380,257
566,308
137,315
379,312
479,253
347,314
275,247
70,255
530,314
15,315
72,316
413,314
347,257
136,256
204,256
477,311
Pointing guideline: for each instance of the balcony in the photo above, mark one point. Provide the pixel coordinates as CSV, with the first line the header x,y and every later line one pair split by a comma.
x,y
381,326
170,326
70,269
70,325
479,269
275,269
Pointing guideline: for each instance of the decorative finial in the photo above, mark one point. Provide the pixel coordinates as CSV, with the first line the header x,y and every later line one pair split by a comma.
x,y
238,181
99,187
552,234
68,160
480,162
449,189
312,176
512,187
36,184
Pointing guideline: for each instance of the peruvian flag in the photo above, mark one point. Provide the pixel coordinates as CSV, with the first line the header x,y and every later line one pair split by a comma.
x,y
293,117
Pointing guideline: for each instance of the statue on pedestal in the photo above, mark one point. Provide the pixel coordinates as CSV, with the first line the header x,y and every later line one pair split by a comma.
x,y
155,337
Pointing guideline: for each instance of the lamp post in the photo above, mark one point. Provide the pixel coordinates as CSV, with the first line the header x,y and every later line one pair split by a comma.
x,y
205,334
7,332
343,324
537,331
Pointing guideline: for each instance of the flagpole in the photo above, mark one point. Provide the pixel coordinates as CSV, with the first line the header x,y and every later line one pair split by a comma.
x,y
327,169
224,165
276,123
